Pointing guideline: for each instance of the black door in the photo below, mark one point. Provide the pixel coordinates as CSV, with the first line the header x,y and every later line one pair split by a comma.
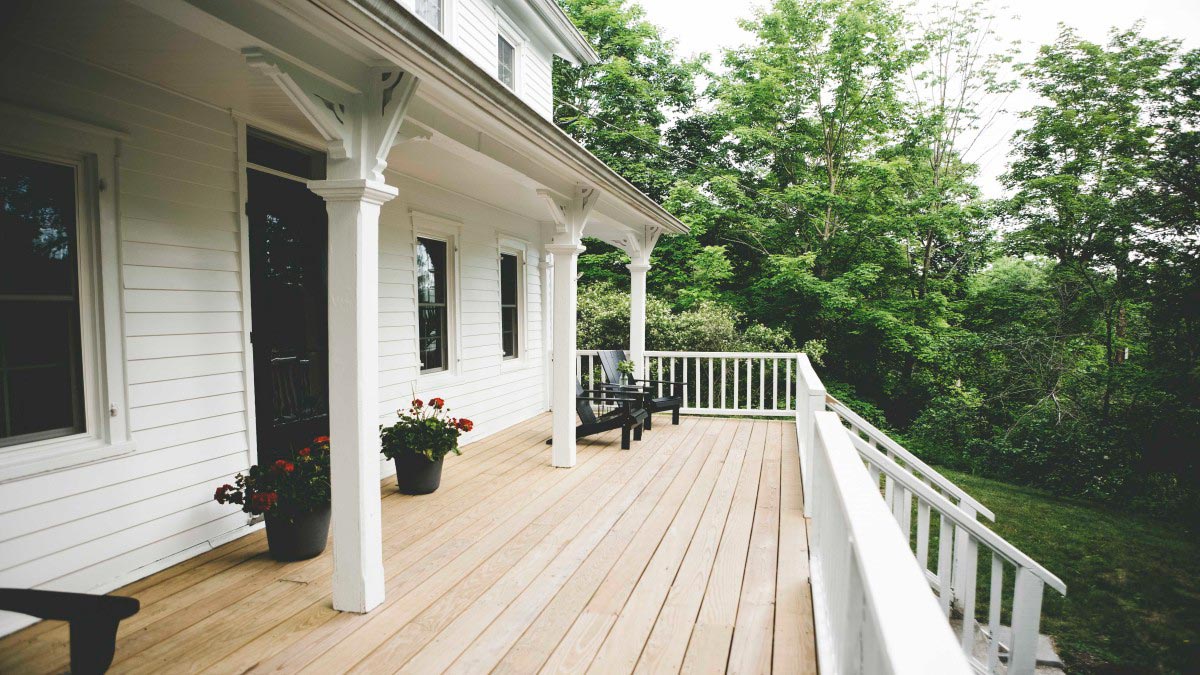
x,y
288,240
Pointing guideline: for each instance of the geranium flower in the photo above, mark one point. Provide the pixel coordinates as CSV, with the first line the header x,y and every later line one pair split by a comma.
x,y
284,466
222,493
417,403
321,439
465,424
437,403
304,452
264,501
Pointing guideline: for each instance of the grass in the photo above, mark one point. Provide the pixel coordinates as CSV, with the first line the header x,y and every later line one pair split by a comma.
x,y
1133,581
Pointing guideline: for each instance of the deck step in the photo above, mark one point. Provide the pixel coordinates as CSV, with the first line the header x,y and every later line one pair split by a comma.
x,y
1048,661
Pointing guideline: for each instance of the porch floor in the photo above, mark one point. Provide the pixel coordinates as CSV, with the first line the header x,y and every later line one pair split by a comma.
x,y
688,552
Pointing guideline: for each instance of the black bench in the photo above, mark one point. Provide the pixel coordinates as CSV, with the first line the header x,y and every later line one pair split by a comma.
x,y
93,618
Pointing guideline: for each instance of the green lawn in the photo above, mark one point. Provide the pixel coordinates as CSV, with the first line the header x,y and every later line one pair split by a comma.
x,y
1133,581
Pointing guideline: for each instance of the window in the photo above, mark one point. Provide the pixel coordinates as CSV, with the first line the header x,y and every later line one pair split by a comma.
x,y
430,11
510,332
433,321
41,380
506,62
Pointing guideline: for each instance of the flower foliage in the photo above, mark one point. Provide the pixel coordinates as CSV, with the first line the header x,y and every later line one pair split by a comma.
x,y
285,488
426,430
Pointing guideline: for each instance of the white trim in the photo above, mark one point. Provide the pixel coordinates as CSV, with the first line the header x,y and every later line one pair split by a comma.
x,y
93,153
506,28
243,196
432,226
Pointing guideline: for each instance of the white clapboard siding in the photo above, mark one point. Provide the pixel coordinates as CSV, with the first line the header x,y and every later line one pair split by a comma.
x,y
475,30
537,86
89,527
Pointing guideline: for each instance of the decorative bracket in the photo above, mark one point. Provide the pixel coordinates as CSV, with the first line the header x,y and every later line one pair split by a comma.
x,y
359,126
570,216
639,247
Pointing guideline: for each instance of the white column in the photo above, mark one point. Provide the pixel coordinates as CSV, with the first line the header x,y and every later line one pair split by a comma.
x,y
547,279
563,378
353,206
637,316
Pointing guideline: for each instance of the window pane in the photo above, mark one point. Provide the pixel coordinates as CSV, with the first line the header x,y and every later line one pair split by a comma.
x,y
431,271
508,279
430,11
40,372
508,330
37,227
432,337
275,153
505,60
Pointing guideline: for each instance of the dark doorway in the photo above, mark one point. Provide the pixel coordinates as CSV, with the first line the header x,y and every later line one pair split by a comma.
x,y
288,299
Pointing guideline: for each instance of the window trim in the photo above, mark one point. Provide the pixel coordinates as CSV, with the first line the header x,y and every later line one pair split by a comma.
x,y
507,29
429,226
520,249
93,151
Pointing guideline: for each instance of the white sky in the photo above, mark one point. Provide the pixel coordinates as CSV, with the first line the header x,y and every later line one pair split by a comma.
x,y
709,25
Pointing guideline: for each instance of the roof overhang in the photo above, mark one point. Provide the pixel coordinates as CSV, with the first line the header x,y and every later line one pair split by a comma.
x,y
400,37
577,49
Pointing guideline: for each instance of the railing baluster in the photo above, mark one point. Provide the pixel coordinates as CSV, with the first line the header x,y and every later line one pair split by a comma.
x,y
762,384
710,382
696,386
723,369
736,391
787,385
775,384
995,603
923,534
945,564
672,378
967,580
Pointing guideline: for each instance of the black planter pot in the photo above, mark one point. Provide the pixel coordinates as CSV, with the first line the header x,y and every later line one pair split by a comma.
x,y
416,475
301,539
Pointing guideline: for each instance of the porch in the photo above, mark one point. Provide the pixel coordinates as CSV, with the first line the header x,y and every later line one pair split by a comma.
x,y
689,551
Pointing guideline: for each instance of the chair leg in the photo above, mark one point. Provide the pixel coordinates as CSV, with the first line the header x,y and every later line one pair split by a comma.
x,y
93,643
637,432
649,417
675,416
624,437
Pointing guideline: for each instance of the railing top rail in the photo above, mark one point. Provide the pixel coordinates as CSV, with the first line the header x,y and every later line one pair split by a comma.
x,y
808,375
725,355
929,472
958,516
912,631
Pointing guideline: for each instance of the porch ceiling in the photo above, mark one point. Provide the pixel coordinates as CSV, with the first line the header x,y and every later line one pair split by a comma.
x,y
446,146
687,551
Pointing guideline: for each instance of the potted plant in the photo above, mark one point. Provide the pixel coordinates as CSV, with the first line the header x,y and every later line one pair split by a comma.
x,y
293,496
625,368
419,441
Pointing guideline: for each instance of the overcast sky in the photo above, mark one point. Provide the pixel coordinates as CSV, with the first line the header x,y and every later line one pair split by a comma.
x,y
710,25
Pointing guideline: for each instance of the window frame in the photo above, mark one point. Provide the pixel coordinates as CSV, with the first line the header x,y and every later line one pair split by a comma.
x,y
92,151
507,29
518,248
429,226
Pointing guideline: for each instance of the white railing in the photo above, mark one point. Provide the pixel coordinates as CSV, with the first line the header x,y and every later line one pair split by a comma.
x,y
960,540
718,383
873,609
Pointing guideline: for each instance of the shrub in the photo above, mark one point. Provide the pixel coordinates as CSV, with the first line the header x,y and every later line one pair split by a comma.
x,y
285,488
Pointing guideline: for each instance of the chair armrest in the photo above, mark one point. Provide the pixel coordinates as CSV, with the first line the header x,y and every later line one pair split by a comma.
x,y
670,382
60,606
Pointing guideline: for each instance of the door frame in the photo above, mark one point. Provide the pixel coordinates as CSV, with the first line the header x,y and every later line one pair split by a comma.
x,y
243,124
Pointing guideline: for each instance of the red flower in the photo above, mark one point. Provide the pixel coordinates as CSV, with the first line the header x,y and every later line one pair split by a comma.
x,y
437,403
263,501
321,439
222,493
465,424
417,403
284,466
304,452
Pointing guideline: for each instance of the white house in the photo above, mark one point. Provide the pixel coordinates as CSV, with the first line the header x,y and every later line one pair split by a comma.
x,y
165,312
229,226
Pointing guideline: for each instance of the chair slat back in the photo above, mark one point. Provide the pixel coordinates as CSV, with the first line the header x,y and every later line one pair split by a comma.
x,y
584,408
610,361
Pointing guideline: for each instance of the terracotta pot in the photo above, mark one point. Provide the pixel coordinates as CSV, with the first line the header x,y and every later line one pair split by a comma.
x,y
301,538
416,475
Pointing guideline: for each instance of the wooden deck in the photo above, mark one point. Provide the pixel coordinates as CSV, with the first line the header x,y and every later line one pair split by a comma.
x,y
687,553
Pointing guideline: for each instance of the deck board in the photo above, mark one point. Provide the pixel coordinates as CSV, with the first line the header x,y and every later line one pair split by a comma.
x,y
687,552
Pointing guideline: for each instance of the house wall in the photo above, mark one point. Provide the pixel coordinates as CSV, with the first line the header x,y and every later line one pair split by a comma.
x,y
476,24
98,526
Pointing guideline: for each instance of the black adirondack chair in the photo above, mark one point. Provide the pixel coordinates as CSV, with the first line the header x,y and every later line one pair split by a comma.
x,y
626,414
93,619
672,400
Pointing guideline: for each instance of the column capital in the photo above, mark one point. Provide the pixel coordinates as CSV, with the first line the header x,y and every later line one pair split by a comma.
x,y
354,190
638,267
565,249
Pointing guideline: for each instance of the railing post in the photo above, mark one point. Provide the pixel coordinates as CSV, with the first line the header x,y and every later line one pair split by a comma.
x,y
964,559
1026,615
810,399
